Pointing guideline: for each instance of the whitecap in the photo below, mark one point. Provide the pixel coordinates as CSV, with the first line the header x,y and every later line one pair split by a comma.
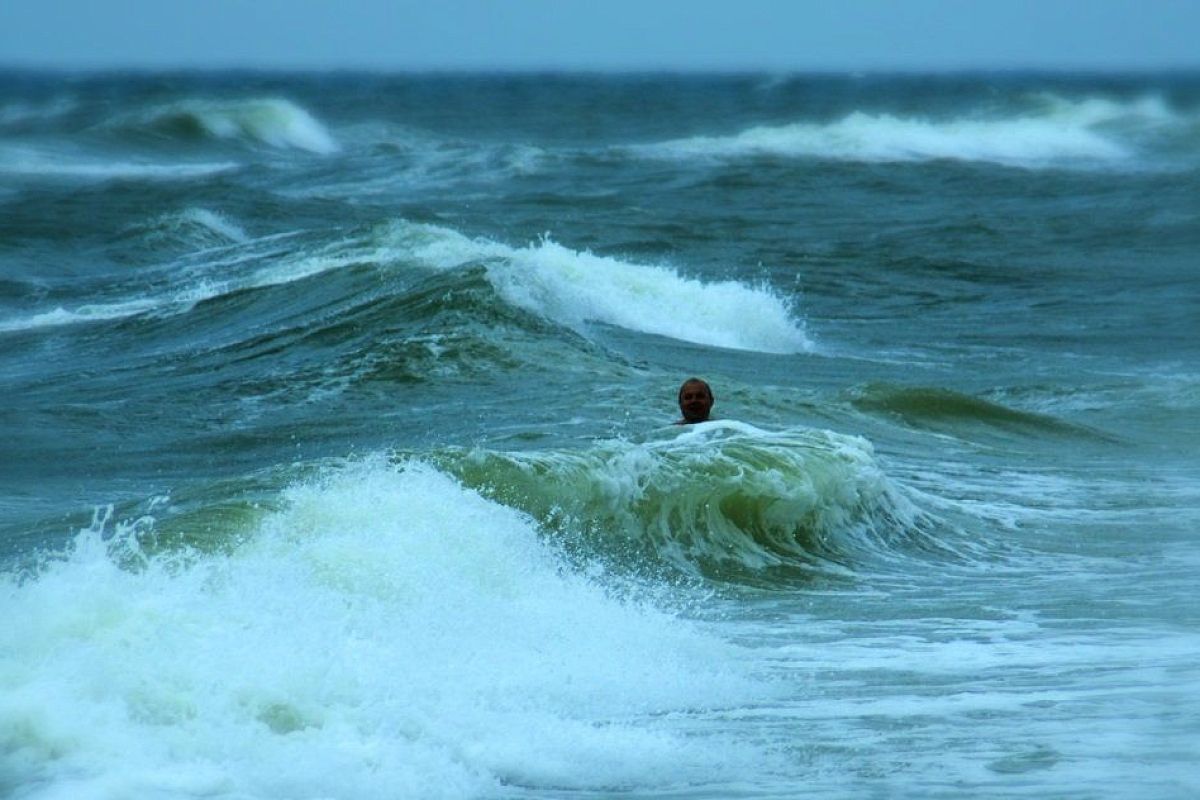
x,y
271,121
577,287
867,137
1050,131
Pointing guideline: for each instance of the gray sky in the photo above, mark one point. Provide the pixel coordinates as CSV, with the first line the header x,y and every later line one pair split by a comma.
x,y
603,34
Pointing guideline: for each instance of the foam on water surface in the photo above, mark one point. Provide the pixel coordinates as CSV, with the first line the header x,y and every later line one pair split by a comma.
x,y
386,633
37,163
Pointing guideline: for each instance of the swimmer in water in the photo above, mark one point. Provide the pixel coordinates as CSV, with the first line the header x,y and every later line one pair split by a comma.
x,y
695,401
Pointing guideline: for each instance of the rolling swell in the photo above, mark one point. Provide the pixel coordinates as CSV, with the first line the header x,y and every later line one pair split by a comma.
x,y
939,408
726,500
545,280
432,328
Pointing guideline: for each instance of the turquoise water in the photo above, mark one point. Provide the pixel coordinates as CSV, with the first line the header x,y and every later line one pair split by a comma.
x,y
338,457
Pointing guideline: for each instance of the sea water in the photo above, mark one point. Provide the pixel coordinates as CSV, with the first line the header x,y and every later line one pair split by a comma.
x,y
337,456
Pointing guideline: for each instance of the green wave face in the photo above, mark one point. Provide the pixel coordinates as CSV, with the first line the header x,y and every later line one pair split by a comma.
x,y
935,408
722,499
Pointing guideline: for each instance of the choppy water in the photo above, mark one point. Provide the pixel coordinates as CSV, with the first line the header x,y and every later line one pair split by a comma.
x,y
337,458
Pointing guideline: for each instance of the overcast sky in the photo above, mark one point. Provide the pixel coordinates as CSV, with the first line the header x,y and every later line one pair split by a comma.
x,y
603,34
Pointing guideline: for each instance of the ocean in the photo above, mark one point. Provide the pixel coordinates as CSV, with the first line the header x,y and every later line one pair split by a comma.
x,y
337,455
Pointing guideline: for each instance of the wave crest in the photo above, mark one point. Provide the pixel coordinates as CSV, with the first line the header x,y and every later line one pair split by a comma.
x,y
193,227
574,288
568,287
1048,130
724,497
272,121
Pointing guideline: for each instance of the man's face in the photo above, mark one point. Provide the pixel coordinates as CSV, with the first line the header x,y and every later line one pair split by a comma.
x,y
695,401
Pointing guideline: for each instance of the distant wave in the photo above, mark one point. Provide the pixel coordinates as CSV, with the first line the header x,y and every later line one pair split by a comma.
x,y
574,288
19,115
391,158
231,261
1048,131
935,407
271,121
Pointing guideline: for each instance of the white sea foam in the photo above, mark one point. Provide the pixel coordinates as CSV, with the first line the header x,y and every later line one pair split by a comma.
x,y
1057,132
386,634
864,137
90,312
1145,111
573,288
31,163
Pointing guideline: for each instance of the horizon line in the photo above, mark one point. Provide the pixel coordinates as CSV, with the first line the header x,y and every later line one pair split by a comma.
x,y
630,70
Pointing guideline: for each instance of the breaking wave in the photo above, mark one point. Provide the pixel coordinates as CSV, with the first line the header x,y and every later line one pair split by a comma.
x,y
385,633
569,287
1049,131
725,498
574,288
272,121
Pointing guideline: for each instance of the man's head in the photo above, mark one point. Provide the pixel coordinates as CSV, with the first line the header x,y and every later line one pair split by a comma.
x,y
695,400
